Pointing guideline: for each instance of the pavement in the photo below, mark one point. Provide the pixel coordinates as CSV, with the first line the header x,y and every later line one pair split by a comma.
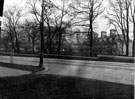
x,y
117,72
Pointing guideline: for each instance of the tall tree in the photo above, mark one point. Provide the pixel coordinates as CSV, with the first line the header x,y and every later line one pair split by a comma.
x,y
32,33
118,16
127,8
88,11
132,9
63,18
12,21
41,9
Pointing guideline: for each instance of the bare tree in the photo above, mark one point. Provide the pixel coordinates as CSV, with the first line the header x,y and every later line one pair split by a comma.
x,y
118,16
12,21
41,9
32,33
127,8
132,9
88,11
63,18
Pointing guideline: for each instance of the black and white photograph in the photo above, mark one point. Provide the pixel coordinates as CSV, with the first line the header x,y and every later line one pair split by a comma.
x,y
67,49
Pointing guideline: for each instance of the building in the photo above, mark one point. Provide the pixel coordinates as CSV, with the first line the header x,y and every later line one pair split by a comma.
x,y
113,32
103,34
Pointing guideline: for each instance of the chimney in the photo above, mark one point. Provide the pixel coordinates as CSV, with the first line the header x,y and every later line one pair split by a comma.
x,y
103,34
112,32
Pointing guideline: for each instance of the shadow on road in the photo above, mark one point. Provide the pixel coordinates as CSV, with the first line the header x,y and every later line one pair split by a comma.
x,y
29,68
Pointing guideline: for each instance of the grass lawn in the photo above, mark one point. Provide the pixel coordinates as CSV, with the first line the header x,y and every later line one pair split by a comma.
x,y
61,87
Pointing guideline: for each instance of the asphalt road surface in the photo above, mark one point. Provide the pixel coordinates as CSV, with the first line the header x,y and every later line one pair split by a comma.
x,y
106,71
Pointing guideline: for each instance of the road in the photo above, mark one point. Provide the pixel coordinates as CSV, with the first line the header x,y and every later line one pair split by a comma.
x,y
106,71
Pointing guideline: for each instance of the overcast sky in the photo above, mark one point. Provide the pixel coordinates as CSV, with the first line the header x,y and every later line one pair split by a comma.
x,y
100,22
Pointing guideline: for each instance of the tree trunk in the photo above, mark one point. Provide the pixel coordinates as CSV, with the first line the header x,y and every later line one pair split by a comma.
x,y
50,41
91,41
33,46
29,42
17,43
127,46
13,47
91,33
41,45
50,46
127,36
42,36
59,43
12,41
133,52
122,48
17,46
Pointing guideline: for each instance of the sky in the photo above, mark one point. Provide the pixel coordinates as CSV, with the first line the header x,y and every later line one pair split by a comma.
x,y
12,2
101,22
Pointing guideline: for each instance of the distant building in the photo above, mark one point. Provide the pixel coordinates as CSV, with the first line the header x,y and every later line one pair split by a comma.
x,y
113,32
103,34
95,35
76,40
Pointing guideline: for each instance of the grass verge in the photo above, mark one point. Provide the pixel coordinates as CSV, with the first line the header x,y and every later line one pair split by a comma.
x,y
61,87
